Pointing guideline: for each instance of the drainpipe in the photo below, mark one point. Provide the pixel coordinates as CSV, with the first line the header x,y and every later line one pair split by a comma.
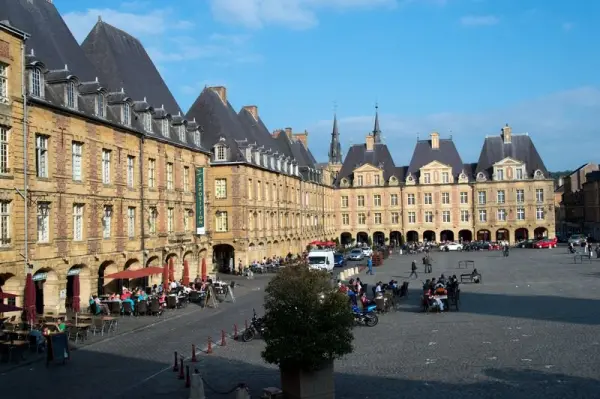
x,y
143,220
25,163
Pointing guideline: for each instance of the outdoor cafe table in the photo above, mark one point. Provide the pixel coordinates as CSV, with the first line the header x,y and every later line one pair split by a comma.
x,y
54,317
18,333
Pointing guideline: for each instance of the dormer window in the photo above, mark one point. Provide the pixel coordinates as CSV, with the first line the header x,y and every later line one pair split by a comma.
x,y
220,153
181,132
272,160
481,176
126,114
36,83
197,138
100,105
257,158
147,120
279,164
71,95
265,160
249,154
164,126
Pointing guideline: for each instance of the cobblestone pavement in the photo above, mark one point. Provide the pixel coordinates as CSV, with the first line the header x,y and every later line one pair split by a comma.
x,y
530,330
119,365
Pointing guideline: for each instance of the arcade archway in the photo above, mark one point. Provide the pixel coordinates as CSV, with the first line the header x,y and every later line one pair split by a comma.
x,y
362,237
502,235
412,236
521,234
346,238
429,236
540,232
465,235
484,235
378,238
396,238
223,257
447,235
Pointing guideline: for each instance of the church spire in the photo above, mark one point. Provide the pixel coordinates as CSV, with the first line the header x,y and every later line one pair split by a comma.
x,y
376,130
335,148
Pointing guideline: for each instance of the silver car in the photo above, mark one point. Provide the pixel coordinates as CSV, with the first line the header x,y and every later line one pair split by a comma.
x,y
577,239
356,254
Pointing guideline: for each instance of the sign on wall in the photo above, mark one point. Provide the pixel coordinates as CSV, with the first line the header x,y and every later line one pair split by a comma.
x,y
200,219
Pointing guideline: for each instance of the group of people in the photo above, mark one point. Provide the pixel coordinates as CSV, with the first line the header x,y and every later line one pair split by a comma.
x,y
435,292
587,249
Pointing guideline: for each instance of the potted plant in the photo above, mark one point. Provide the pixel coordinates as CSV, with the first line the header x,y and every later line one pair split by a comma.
x,y
308,326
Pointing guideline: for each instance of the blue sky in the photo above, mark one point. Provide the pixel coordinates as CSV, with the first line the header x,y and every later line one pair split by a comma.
x,y
460,67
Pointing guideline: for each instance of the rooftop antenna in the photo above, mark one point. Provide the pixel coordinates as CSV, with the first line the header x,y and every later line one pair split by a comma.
x,y
450,134
99,18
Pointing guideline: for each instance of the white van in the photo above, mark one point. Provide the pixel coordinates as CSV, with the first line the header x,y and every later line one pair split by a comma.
x,y
321,260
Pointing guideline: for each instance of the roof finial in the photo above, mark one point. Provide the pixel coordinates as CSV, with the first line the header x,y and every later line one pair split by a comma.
x,y
194,119
66,67
162,106
32,52
122,90
376,129
99,18
96,79
178,113
145,99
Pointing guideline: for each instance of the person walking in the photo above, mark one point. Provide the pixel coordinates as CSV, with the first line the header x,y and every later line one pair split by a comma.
x,y
413,269
370,266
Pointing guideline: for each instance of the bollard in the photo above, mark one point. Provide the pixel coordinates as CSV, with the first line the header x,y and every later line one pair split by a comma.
x,y
223,343
235,332
241,392
209,348
181,375
193,354
187,377
196,386
175,364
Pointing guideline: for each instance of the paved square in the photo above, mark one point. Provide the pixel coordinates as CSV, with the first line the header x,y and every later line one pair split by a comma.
x,y
531,329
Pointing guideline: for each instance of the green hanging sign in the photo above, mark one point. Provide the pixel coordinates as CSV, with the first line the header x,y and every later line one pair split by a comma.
x,y
200,219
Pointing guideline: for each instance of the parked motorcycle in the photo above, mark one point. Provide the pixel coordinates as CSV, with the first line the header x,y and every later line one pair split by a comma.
x,y
257,326
366,316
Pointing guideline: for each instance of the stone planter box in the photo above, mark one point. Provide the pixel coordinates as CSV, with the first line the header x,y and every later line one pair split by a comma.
x,y
298,384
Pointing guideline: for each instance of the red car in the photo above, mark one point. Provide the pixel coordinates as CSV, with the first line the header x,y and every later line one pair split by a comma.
x,y
546,243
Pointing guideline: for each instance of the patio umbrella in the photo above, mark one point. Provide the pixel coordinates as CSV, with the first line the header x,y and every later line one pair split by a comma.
x,y
203,269
165,276
9,308
172,269
4,295
76,292
30,312
186,273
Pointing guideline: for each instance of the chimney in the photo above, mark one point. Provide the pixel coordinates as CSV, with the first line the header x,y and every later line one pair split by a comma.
x,y
288,132
221,91
253,110
507,134
276,133
370,142
301,137
435,140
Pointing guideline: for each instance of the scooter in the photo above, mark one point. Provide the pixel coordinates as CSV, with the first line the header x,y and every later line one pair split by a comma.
x,y
366,316
257,326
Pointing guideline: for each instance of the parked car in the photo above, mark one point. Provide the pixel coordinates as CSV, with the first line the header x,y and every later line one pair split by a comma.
x,y
452,246
339,260
546,243
577,239
356,254
527,243
367,251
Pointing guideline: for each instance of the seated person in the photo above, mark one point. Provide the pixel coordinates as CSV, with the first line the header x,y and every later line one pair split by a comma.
x,y
100,307
442,280
365,301
440,289
427,285
475,276
162,300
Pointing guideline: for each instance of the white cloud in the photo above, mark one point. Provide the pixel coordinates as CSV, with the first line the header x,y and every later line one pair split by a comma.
x,y
479,20
564,127
295,14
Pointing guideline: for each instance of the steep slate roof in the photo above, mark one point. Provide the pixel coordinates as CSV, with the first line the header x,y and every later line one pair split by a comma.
x,y
51,39
521,148
379,157
123,62
258,132
446,154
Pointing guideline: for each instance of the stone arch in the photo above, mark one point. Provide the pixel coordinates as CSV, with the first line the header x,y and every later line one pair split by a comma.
x,y
412,236
362,237
484,235
132,264
446,235
276,248
107,285
396,238
540,232
502,235
223,256
521,234
12,285
379,238
47,290
153,261
465,235
429,236
78,274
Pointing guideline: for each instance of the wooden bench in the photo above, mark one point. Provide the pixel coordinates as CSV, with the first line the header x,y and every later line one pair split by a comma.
x,y
469,277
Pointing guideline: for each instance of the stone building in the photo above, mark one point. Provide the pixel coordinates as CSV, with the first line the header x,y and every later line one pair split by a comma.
x,y
591,203
573,205
506,195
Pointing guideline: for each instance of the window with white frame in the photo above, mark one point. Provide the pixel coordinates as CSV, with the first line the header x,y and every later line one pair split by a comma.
x,y
170,220
501,196
78,222
344,201
520,194
445,177
43,222
197,141
394,199
482,216
3,83
539,195
464,197
428,199
359,180
131,221
71,95
152,219
151,172
164,127
360,200
100,105
181,131
130,171
186,179
410,199
106,158
426,178
481,195
77,160
169,176
41,152
107,221
345,219
499,174
377,218
147,121
445,198
501,215
412,217
126,114
377,200
464,216
519,174
395,218
520,213
539,213
377,180
5,223
4,151
428,217
220,153
362,218
221,221
446,216
220,188
36,87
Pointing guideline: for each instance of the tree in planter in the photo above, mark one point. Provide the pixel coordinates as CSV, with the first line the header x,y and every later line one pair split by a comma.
x,y
308,326
370,242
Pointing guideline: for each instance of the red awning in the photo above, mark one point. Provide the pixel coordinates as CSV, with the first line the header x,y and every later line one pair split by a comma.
x,y
139,273
122,275
7,295
9,308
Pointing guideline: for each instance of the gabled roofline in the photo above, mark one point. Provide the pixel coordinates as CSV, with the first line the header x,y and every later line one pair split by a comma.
x,y
5,26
